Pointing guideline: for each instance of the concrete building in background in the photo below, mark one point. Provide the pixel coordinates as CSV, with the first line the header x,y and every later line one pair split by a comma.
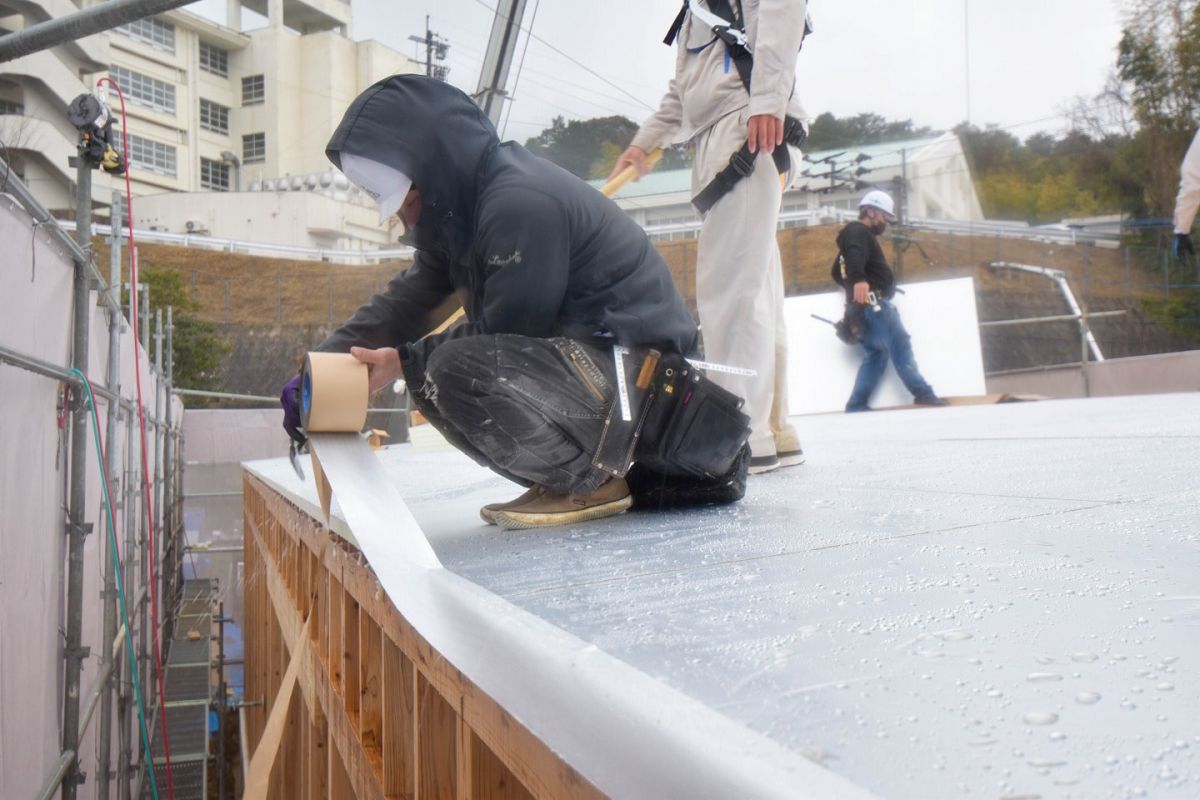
x,y
211,108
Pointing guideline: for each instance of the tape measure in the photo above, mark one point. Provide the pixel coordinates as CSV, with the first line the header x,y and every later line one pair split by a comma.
x,y
728,370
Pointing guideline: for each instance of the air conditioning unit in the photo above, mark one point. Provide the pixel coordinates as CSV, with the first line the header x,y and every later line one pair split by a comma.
x,y
193,226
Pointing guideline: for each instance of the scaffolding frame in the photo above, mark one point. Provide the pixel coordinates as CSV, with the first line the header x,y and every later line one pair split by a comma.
x,y
114,680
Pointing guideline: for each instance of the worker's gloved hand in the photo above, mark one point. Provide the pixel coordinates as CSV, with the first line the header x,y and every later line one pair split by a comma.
x,y
1184,246
289,398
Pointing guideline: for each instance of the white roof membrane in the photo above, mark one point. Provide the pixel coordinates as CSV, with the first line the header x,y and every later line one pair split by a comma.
x,y
994,601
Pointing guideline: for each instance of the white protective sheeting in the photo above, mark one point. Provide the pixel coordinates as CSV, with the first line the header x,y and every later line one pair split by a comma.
x,y
983,601
628,734
941,318
36,283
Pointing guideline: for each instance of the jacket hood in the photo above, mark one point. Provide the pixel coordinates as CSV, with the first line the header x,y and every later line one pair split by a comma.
x,y
434,134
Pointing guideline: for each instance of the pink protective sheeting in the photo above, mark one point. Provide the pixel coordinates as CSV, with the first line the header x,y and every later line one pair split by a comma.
x,y
36,282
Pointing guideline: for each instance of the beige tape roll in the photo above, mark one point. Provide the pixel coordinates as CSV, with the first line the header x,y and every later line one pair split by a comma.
x,y
333,393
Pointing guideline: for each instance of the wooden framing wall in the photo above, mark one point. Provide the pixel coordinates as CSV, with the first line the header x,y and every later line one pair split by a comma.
x,y
378,713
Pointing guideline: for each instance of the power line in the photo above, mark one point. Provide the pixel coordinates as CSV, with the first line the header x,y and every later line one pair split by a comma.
x,y
577,63
520,66
436,49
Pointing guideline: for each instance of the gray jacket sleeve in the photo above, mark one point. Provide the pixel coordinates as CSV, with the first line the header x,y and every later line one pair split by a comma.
x,y
660,129
777,37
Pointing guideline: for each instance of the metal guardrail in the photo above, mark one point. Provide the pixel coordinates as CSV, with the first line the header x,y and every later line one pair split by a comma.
x,y
787,218
258,248
999,323
262,398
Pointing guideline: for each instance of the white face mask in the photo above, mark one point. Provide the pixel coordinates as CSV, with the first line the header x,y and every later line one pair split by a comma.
x,y
386,185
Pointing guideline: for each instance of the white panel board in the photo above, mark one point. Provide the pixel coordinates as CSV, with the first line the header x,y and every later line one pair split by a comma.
x,y
941,318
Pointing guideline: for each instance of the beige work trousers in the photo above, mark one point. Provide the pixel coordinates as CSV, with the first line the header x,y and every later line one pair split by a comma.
x,y
739,283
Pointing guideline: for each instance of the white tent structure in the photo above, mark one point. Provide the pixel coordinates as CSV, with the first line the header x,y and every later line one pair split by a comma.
x,y
935,170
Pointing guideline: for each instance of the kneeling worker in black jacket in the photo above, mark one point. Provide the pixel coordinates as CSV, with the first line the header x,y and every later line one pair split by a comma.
x,y
558,286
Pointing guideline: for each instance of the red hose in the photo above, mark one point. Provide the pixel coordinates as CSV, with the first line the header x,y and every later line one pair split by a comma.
x,y
149,497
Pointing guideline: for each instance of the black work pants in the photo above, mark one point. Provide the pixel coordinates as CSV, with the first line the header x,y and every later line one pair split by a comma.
x,y
531,409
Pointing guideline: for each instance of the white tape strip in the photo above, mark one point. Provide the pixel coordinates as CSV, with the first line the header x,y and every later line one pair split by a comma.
x,y
369,500
619,354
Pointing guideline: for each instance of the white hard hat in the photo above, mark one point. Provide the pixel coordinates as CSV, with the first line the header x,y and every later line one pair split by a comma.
x,y
881,200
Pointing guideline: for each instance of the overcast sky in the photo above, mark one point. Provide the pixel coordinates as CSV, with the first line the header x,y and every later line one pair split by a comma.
x,y
899,58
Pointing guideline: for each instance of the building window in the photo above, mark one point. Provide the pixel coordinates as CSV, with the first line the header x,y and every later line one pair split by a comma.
x,y
9,107
254,148
151,155
254,90
214,117
154,32
214,60
214,175
144,90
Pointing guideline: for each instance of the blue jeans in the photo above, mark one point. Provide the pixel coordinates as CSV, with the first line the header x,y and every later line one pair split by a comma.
x,y
886,338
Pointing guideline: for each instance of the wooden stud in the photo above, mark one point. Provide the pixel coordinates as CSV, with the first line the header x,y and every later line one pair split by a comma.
x,y
370,729
437,744
398,722
490,779
372,682
336,620
350,651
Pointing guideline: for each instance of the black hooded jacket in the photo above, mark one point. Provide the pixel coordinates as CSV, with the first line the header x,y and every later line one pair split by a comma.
x,y
524,246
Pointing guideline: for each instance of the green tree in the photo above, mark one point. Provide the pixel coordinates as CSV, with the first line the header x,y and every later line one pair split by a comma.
x,y
589,148
828,132
198,349
1159,63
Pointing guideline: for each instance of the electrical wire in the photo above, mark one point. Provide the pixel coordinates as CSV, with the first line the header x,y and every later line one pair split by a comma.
x,y
577,63
148,494
520,66
116,557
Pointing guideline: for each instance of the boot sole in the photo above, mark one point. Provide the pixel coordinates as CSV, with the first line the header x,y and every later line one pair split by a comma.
x,y
517,521
792,459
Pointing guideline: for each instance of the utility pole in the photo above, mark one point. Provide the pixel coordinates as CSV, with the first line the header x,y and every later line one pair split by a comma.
x,y
840,175
493,75
898,243
436,49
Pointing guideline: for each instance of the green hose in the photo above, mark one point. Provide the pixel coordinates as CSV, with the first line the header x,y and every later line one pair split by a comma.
x,y
112,540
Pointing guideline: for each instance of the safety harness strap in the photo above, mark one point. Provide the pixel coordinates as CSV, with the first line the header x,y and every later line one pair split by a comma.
x,y
741,163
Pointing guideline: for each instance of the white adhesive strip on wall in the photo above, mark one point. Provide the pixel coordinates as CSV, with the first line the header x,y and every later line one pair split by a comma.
x,y
628,734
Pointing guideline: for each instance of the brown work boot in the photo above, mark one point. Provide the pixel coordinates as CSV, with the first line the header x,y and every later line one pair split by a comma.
x,y
787,448
549,508
488,512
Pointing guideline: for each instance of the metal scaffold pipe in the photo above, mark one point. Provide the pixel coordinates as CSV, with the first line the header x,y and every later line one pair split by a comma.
x,y
92,20
73,651
112,466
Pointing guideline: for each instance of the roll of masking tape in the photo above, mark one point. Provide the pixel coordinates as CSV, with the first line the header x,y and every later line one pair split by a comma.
x,y
333,393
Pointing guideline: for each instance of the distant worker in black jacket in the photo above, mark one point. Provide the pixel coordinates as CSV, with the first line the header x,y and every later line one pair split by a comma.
x,y
551,276
863,272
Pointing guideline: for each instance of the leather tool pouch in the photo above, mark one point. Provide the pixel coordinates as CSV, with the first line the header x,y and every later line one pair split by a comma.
x,y
692,427
614,452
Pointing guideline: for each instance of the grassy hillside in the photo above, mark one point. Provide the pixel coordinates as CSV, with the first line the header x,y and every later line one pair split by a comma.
x,y
272,310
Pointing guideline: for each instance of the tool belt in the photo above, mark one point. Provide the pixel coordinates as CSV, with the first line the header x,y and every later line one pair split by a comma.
x,y
682,424
741,164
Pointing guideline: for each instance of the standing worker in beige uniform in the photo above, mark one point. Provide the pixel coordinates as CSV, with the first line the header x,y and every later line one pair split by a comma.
x,y
1187,201
733,98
